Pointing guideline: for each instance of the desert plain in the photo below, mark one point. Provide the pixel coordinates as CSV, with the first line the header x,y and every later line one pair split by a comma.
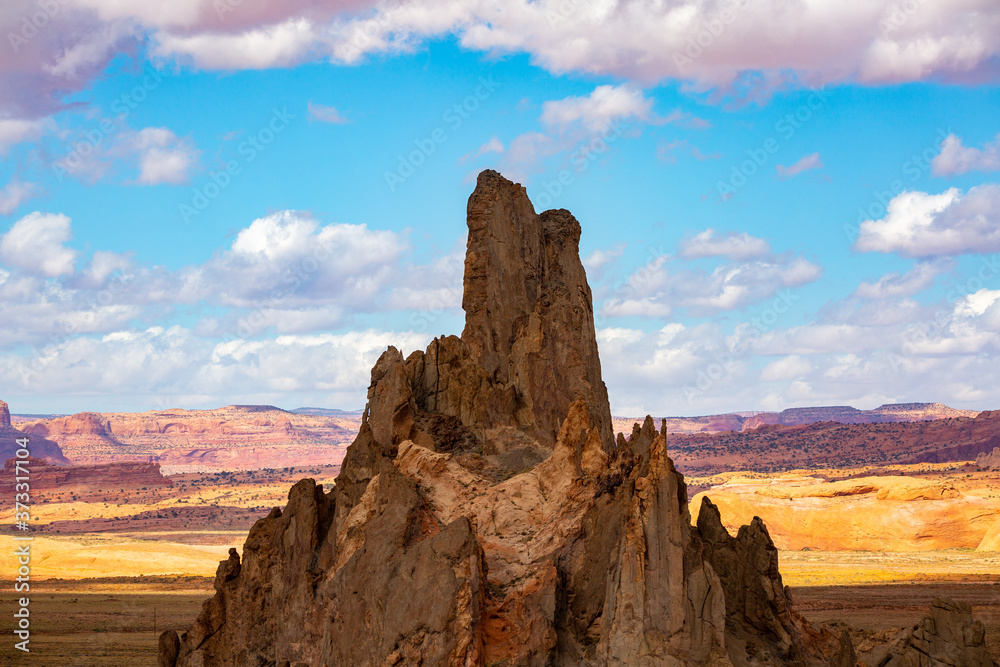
x,y
867,536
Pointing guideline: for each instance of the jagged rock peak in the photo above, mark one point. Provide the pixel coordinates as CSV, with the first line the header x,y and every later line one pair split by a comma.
x,y
484,516
4,414
529,317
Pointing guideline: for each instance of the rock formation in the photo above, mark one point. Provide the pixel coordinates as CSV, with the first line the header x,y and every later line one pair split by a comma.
x,y
947,637
237,437
484,515
991,460
38,446
884,513
80,479
777,447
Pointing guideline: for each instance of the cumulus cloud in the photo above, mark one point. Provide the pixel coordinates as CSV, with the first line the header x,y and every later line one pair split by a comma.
x,y
284,272
162,156
955,159
323,114
729,47
15,130
582,128
812,161
157,154
787,368
732,245
814,43
171,364
947,352
655,290
35,244
278,45
918,224
291,252
16,193
494,145
917,279
596,111
601,258
102,265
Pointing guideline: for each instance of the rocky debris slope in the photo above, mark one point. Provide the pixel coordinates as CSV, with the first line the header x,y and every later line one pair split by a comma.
x,y
38,446
989,460
947,637
485,516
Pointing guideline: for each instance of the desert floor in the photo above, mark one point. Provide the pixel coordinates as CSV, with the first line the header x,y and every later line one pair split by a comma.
x,y
111,621
104,570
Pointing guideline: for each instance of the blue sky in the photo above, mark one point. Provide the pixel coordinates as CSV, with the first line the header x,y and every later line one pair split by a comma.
x,y
201,206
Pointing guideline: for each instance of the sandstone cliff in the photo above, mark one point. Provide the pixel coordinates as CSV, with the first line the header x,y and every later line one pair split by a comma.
x,y
72,478
889,513
485,516
236,437
38,445
989,460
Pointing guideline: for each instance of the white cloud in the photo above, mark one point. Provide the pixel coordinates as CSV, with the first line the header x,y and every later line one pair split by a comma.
x,y
163,157
92,51
732,245
35,245
811,161
664,284
158,363
791,367
581,129
892,285
728,47
102,265
918,224
284,272
494,145
600,258
806,43
16,193
15,130
955,159
158,155
288,259
596,111
325,114
947,354
279,45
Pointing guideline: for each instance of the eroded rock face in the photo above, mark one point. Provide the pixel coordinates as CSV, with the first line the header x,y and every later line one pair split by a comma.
x,y
484,515
947,637
38,445
761,626
991,460
81,479
529,320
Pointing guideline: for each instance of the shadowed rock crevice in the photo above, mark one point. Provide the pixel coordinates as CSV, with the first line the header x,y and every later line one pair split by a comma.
x,y
485,515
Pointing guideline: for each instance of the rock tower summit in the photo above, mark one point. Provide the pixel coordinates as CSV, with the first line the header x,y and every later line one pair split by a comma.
x,y
485,515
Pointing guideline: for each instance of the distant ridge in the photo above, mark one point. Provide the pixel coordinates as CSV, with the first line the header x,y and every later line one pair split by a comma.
x,y
325,412
844,414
